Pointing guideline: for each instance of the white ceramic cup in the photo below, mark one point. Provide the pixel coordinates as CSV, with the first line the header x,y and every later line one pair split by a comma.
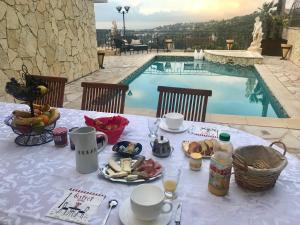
x,y
173,120
147,201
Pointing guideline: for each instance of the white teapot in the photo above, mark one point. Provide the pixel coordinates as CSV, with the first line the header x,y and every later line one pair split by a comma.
x,y
86,148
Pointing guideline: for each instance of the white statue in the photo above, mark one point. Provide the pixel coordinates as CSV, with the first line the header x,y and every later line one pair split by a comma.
x,y
257,35
114,29
198,55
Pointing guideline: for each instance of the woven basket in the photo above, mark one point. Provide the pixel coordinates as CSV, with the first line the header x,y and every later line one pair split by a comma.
x,y
257,167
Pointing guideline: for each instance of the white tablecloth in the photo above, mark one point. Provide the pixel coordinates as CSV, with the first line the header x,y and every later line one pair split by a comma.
x,y
32,179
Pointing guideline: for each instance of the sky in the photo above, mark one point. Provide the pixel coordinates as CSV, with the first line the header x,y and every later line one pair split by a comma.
x,y
152,13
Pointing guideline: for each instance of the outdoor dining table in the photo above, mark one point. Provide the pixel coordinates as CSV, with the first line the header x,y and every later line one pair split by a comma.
x,y
32,179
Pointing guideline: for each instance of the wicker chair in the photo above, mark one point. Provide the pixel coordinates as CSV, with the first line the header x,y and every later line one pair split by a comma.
x,y
56,90
103,97
192,103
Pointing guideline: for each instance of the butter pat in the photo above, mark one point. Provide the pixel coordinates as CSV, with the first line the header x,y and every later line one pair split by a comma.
x,y
126,164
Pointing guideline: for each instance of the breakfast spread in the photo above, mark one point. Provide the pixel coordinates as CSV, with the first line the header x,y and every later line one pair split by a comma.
x,y
132,170
205,147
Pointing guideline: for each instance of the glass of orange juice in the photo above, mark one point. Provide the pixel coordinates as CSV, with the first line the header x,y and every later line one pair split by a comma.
x,y
170,181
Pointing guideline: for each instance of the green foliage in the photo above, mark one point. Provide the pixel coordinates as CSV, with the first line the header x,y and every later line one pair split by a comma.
x,y
273,19
238,28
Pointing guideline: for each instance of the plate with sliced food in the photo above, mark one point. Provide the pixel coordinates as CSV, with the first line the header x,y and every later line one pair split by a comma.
x,y
205,147
128,170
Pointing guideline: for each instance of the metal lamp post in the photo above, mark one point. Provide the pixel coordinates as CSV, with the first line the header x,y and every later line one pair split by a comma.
x,y
123,10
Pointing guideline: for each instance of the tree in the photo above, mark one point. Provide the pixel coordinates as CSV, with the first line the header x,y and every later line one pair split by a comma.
x,y
281,7
266,12
274,18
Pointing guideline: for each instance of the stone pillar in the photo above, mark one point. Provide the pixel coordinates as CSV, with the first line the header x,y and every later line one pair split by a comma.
x,y
51,37
293,34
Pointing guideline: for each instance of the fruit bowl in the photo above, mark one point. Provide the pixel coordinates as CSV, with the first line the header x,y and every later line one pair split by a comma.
x,y
113,126
35,130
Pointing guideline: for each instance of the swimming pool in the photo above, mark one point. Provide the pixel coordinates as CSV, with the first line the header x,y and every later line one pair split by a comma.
x,y
236,90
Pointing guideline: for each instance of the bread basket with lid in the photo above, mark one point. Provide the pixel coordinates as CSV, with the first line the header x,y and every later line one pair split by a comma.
x,y
257,167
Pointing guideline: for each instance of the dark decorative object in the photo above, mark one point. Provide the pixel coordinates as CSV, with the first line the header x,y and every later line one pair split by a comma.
x,y
34,127
28,89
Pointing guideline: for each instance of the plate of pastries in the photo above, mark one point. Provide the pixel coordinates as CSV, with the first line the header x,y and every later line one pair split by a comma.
x,y
128,170
205,147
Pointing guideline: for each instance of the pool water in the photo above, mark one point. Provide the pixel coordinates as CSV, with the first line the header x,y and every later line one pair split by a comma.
x,y
236,90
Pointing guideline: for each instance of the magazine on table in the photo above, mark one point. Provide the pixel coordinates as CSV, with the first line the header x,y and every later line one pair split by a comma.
x,y
76,206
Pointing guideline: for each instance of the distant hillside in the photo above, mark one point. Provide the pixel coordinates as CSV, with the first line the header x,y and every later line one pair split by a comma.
x,y
196,35
238,28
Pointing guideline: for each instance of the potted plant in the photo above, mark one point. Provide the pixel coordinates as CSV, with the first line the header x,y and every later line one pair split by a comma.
x,y
274,20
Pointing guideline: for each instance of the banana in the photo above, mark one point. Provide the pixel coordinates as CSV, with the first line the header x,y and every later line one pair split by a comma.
x,y
37,106
23,114
45,108
27,121
54,114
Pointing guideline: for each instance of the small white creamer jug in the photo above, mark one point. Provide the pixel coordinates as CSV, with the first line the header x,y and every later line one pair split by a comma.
x,y
86,148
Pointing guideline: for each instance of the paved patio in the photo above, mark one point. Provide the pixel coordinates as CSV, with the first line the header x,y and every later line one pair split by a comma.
x,y
116,69
283,74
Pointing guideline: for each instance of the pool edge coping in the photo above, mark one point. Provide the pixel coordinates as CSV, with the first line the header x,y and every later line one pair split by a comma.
x,y
288,101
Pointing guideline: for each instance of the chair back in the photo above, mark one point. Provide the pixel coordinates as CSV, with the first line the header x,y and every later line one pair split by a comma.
x,y
192,103
56,90
118,43
103,97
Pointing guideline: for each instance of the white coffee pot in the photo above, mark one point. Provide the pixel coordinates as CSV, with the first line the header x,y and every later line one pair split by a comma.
x,y
86,148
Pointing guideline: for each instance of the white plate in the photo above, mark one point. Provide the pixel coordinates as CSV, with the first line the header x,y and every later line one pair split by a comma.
x,y
164,127
102,172
127,217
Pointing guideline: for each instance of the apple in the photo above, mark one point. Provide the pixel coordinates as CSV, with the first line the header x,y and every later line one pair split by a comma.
x,y
43,89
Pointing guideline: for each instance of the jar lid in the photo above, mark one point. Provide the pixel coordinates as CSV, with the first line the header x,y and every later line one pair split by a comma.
x,y
196,155
224,137
60,131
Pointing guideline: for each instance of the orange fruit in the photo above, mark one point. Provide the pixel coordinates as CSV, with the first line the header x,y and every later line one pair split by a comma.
x,y
37,112
45,119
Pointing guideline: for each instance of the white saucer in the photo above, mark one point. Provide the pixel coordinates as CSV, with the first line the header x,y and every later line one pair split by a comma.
x,y
164,127
127,217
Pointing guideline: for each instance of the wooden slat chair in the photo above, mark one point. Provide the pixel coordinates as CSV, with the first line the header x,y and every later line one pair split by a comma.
x,y
192,103
56,90
103,97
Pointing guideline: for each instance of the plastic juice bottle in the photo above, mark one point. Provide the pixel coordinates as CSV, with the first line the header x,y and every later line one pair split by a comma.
x,y
224,144
220,166
219,173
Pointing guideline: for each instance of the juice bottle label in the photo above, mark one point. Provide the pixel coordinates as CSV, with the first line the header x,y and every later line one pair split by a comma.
x,y
219,176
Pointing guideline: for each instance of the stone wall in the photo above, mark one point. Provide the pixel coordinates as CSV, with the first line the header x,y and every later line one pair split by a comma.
x,y
51,37
293,35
